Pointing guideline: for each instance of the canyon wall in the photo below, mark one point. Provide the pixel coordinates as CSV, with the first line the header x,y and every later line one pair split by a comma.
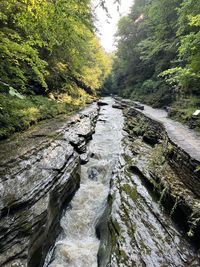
x,y
39,174
183,163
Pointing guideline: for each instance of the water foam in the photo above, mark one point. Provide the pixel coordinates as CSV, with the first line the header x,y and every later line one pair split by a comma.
x,y
78,244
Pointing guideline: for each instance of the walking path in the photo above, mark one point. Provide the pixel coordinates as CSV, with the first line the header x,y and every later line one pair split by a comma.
x,y
180,134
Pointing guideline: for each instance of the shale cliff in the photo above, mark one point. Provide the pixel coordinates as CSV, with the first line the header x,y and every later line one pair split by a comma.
x,y
164,153
39,174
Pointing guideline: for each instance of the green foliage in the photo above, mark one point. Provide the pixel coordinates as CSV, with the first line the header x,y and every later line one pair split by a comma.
x,y
130,190
182,77
158,55
183,108
20,63
197,169
48,45
19,114
158,158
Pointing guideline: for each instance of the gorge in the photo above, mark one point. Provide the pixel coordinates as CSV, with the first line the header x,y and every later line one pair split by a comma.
x,y
107,186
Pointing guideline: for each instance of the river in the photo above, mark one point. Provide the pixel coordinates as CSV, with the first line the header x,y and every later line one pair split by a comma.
x,y
145,236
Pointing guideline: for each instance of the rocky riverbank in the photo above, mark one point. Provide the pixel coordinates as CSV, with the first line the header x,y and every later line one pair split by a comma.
x,y
39,174
152,217
157,154
147,169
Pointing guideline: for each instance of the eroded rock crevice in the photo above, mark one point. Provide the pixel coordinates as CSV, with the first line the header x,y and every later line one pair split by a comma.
x,y
39,176
157,173
168,167
146,169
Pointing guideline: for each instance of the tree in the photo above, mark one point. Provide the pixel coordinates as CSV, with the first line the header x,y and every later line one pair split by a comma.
x,y
186,75
49,45
158,51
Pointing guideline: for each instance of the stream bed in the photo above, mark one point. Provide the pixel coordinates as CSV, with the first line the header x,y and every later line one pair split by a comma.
x,y
77,246
142,233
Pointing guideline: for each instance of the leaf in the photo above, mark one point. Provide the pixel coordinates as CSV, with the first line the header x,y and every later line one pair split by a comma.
x,y
197,169
14,92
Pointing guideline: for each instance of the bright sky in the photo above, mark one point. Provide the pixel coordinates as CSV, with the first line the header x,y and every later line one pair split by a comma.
x,y
107,26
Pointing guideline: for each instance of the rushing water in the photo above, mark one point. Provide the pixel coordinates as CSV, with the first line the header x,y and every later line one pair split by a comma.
x,y
78,244
145,235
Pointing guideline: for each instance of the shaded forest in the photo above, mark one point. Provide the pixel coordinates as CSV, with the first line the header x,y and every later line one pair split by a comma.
x,y
158,56
51,60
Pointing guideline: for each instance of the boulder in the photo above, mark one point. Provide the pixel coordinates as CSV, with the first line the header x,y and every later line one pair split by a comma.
x,y
117,106
102,103
150,137
138,106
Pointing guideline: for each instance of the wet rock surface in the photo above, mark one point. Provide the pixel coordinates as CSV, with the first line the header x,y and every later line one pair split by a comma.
x,y
142,233
153,212
170,170
118,106
154,188
39,174
185,138
77,245
184,162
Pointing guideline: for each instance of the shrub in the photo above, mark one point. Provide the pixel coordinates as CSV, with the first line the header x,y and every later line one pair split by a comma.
x,y
18,114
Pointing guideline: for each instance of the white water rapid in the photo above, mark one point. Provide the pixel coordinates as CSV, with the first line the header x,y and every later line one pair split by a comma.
x,y
78,245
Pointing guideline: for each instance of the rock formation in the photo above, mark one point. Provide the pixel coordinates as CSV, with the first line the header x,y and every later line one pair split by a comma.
x,y
39,174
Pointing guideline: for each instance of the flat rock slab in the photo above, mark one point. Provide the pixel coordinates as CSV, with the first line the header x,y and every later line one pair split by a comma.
x,y
141,107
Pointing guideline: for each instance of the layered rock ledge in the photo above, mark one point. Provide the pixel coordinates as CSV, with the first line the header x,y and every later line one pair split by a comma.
x,y
167,154
39,174
183,148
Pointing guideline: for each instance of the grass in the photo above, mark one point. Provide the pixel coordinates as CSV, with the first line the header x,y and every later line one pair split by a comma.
x,y
183,109
17,114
